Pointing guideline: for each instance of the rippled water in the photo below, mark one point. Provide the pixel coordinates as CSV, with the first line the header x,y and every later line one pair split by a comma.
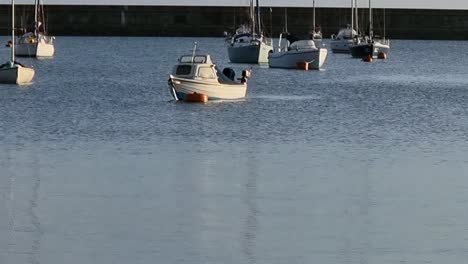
x,y
358,163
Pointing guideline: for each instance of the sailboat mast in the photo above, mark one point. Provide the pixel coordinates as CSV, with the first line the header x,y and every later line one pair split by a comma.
x,y
252,17
371,29
356,9
285,19
13,31
313,16
384,26
352,17
259,20
36,16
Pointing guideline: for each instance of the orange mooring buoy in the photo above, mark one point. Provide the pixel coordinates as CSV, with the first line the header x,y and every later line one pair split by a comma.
x,y
196,98
302,66
368,58
382,55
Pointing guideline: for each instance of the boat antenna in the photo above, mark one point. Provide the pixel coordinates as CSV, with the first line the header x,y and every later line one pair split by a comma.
x,y
193,52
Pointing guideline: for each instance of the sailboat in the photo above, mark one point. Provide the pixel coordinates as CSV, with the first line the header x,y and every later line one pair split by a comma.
x,y
249,45
296,51
316,34
369,46
13,72
340,42
36,43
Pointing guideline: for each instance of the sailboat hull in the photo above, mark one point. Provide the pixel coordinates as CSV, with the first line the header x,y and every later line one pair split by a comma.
x,y
368,49
254,52
341,46
16,75
40,49
289,59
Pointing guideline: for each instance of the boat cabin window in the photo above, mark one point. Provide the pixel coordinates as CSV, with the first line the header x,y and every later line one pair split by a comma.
x,y
184,70
206,73
194,59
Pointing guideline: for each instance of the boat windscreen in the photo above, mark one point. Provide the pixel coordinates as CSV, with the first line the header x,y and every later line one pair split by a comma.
x,y
183,70
193,59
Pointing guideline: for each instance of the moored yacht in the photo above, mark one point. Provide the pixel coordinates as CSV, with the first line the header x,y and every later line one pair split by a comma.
x,y
36,43
249,45
299,51
341,42
13,72
369,46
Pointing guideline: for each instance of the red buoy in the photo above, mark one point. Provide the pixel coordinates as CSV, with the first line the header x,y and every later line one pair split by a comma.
x,y
368,58
382,55
196,98
302,66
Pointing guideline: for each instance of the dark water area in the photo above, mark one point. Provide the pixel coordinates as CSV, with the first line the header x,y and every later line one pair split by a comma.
x,y
357,163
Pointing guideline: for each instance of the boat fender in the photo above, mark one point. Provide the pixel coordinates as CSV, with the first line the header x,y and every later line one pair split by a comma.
x,y
382,55
368,58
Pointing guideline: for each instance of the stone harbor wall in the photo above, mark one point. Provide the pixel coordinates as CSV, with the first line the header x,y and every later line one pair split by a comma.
x,y
213,21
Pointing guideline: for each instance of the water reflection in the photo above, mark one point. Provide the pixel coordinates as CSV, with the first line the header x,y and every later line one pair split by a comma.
x,y
250,200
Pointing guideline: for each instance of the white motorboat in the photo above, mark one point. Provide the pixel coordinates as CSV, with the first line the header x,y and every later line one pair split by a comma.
x,y
36,43
248,44
14,72
300,51
197,74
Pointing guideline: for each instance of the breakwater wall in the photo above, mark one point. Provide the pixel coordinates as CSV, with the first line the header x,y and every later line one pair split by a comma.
x,y
213,21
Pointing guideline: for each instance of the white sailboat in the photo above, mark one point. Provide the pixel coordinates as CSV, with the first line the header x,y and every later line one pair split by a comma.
x,y
36,43
296,51
340,42
369,46
250,45
13,72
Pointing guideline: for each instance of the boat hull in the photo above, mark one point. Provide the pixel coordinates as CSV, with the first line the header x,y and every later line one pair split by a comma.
x,y
213,89
368,49
289,59
256,52
16,75
341,46
39,49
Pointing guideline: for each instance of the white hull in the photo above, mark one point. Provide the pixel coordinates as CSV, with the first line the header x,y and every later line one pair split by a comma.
x,y
35,50
253,52
16,75
341,46
213,89
289,59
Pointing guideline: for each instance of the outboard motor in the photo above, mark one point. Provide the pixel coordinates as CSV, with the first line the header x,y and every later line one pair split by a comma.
x,y
230,73
245,76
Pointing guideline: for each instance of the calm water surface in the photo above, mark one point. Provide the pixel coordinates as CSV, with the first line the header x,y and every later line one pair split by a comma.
x,y
358,163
